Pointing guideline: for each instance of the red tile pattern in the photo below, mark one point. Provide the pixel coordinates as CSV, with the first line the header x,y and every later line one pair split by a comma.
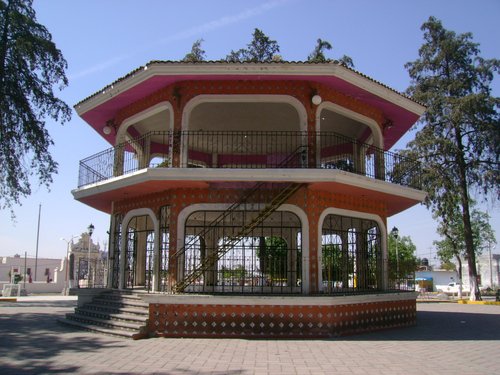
x,y
313,202
180,93
278,321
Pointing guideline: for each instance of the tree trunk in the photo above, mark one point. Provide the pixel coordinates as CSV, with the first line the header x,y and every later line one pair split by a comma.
x,y
459,276
464,198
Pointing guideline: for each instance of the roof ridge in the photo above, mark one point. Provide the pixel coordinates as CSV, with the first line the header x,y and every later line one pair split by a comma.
x,y
208,62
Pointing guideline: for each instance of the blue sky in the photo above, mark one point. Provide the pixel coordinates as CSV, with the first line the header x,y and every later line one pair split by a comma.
x,y
103,40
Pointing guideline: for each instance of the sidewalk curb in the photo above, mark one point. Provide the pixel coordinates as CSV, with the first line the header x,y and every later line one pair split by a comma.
x,y
467,302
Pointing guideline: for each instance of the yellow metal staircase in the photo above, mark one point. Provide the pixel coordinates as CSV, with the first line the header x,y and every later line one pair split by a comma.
x,y
245,230
281,197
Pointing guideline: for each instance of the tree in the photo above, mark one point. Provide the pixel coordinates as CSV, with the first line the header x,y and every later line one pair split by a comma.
x,y
272,254
197,54
30,65
403,262
459,142
452,246
347,61
318,55
260,49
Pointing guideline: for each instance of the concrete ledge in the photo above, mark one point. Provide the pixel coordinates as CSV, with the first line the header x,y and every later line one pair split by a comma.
x,y
318,300
85,295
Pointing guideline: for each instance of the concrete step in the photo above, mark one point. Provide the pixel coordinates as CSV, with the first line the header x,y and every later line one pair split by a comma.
x,y
102,300
120,295
114,314
142,311
99,329
118,313
106,323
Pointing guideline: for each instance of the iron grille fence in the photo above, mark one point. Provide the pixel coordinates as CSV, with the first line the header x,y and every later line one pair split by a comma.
x,y
98,273
265,261
250,150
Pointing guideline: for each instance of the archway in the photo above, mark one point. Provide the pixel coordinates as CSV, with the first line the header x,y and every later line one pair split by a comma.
x,y
235,130
139,250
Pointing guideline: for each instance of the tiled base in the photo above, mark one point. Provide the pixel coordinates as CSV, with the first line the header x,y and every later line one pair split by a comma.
x,y
278,321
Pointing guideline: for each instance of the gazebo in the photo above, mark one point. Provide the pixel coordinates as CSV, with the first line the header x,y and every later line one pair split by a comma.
x,y
251,199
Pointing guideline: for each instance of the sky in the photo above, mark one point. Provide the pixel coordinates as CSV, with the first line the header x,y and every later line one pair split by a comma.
x,y
103,40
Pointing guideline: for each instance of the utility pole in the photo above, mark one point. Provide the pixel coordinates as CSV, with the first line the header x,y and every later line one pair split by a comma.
x,y
37,237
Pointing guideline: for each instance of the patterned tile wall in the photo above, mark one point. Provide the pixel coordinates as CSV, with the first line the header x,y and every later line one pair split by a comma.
x,y
275,321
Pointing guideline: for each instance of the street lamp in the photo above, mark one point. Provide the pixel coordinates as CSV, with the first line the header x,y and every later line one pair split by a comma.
x,y
395,234
90,230
66,286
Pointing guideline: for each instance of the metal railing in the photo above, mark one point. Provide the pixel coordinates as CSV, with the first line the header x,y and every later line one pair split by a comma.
x,y
250,150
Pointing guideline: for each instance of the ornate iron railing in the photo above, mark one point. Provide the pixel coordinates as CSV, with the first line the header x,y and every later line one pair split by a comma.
x,y
249,150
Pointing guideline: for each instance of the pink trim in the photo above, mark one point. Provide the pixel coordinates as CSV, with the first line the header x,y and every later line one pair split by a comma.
x,y
402,119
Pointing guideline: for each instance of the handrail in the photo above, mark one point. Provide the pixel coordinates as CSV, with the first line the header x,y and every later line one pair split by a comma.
x,y
277,200
243,200
250,150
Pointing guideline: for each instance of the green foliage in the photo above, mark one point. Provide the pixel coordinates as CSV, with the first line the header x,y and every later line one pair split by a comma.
x,y
197,54
406,258
318,54
239,272
346,61
260,49
448,266
30,65
452,230
337,265
459,143
272,253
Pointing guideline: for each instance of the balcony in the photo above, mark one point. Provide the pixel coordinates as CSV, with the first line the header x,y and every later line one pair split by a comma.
x,y
249,150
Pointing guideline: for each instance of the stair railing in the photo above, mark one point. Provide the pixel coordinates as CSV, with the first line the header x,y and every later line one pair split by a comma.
x,y
279,199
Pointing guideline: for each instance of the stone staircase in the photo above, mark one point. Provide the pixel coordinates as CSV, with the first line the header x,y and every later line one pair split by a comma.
x,y
113,312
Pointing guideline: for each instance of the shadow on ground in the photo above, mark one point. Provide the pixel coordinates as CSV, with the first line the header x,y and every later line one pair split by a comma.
x,y
31,338
443,326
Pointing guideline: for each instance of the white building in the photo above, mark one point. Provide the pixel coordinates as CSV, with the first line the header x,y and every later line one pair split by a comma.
x,y
488,270
50,273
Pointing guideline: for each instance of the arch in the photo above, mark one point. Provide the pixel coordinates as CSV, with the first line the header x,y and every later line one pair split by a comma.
x,y
186,212
244,98
357,215
378,139
129,121
123,241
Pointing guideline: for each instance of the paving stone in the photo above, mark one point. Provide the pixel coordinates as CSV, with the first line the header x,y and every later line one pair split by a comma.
x,y
448,339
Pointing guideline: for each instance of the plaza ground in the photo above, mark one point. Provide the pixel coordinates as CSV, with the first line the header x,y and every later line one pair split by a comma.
x,y
449,339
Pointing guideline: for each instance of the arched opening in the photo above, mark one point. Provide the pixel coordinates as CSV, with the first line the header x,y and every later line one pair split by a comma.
x,y
351,255
144,140
139,252
347,140
242,131
268,260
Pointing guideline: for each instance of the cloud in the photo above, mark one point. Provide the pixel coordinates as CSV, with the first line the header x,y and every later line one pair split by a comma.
x,y
223,21
185,34
97,68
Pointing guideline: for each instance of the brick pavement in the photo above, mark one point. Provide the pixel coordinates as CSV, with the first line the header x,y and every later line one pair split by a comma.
x,y
449,339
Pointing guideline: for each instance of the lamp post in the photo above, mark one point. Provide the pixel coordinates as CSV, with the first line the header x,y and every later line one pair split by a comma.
x,y
395,234
66,286
90,230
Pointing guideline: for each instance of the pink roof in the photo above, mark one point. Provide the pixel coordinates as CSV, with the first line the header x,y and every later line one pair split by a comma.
x,y
401,116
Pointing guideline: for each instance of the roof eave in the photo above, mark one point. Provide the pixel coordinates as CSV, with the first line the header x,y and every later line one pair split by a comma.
x,y
244,69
